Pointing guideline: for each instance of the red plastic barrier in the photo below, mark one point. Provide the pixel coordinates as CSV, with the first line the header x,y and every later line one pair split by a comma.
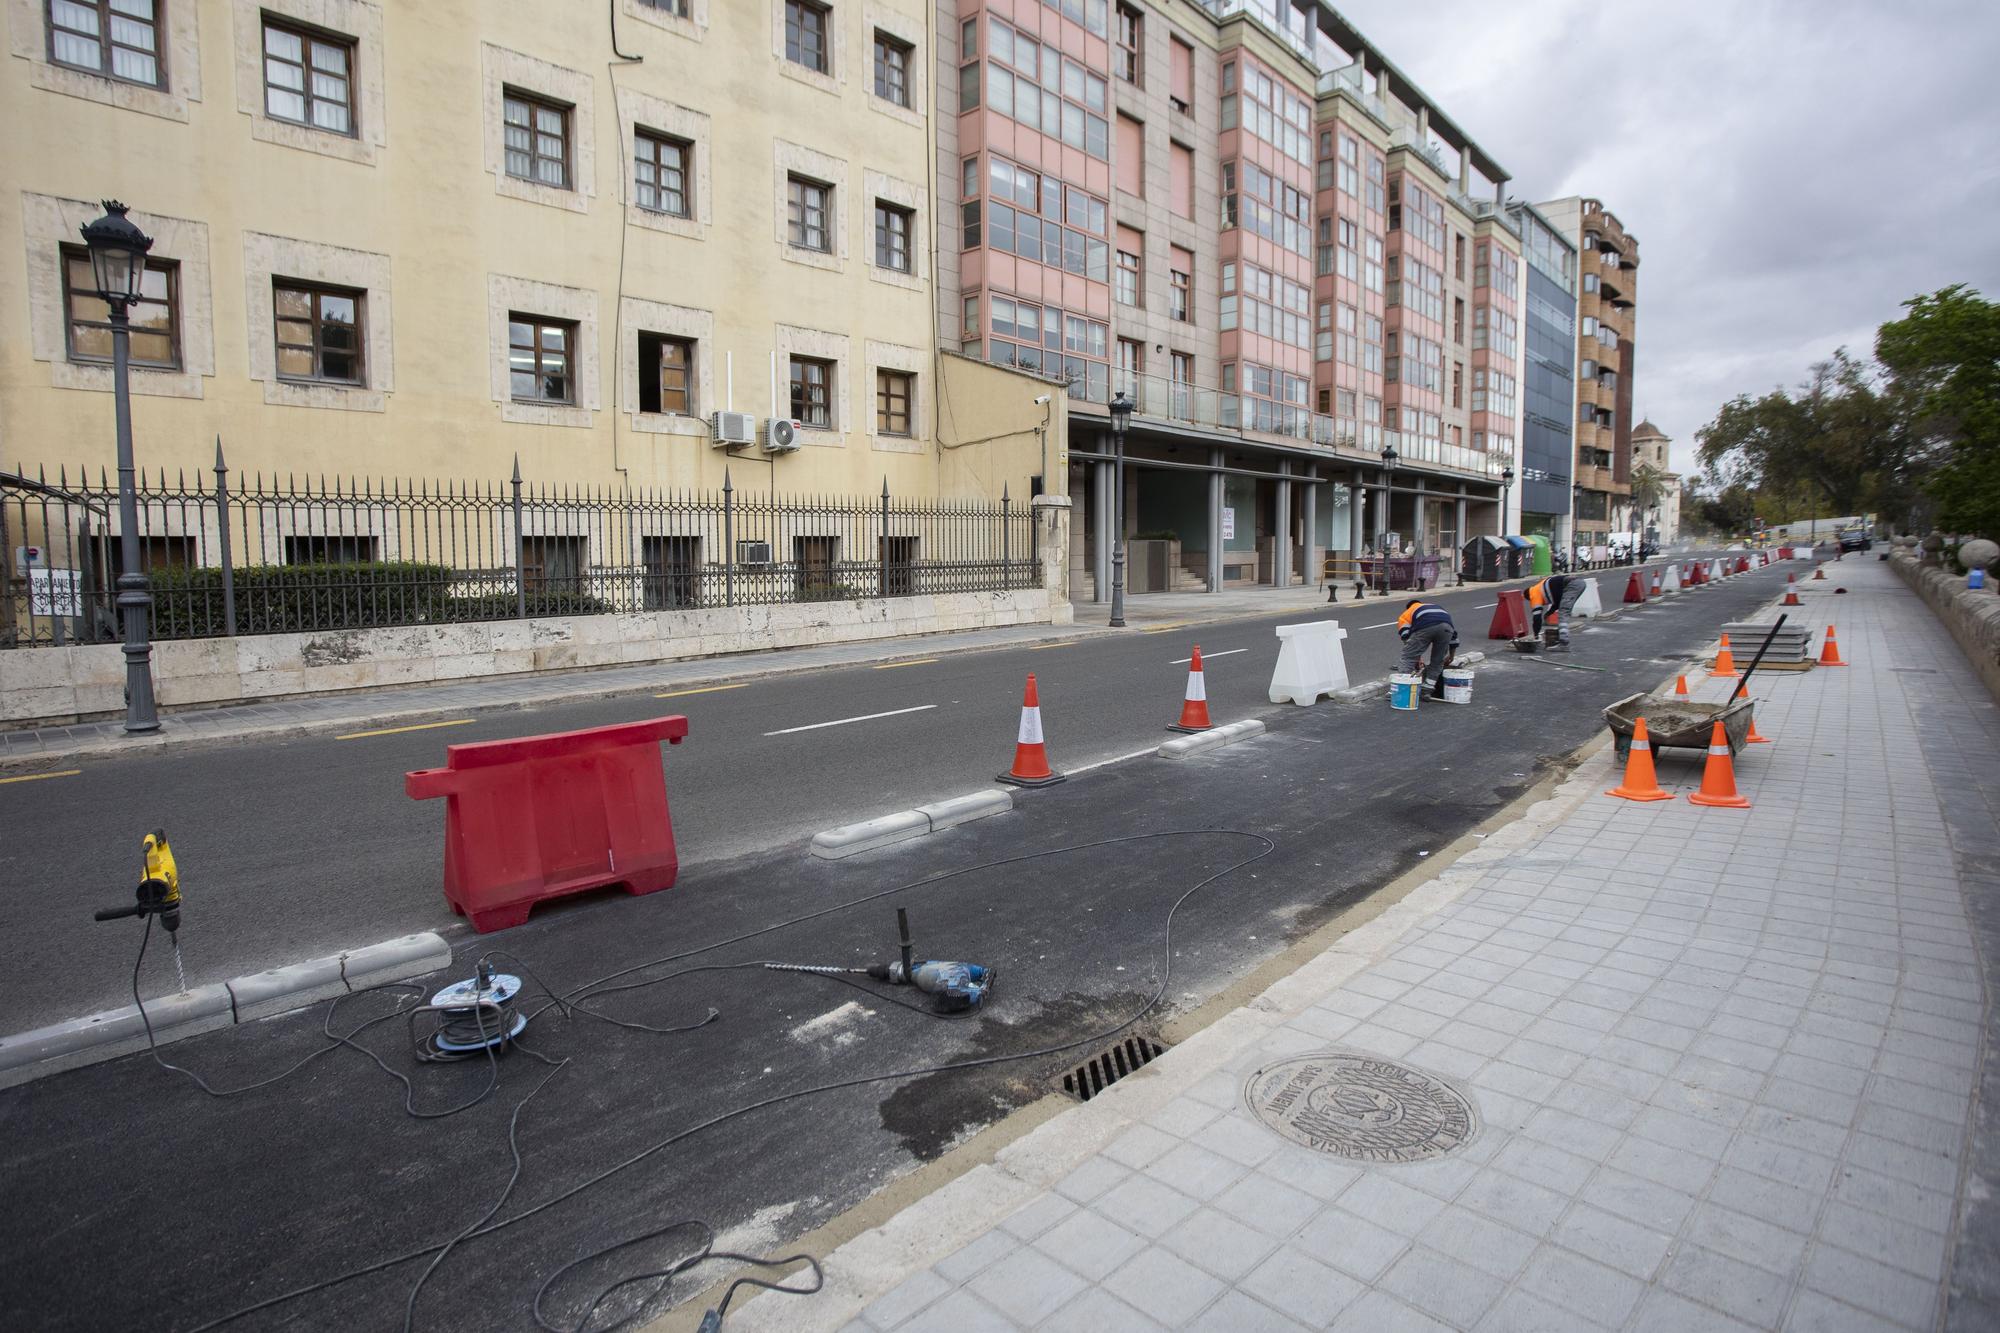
x,y
1635,588
1784,553
542,816
1742,564
1510,617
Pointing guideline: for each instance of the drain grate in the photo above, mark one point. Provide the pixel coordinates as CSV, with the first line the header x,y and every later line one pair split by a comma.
x,y
1115,1062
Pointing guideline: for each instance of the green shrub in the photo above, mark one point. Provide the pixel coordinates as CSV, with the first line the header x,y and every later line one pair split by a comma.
x,y
286,599
501,605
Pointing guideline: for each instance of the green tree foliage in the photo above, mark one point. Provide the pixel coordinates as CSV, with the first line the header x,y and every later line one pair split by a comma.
x,y
1836,443
1943,363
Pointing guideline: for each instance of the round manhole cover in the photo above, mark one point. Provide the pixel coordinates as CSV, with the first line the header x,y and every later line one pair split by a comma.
x,y
1361,1106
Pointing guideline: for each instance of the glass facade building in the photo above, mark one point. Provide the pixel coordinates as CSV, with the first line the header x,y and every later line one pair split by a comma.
x,y
1548,433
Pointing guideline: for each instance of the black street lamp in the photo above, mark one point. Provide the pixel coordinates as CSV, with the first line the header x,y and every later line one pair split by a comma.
x,y
1506,495
1389,459
118,259
1121,417
1575,519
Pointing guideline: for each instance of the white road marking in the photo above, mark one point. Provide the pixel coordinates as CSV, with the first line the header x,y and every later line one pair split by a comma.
x,y
1106,763
817,1029
1184,661
1483,605
1384,625
841,722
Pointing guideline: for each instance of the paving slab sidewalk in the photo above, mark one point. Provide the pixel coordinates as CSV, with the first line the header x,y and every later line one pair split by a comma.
x,y
1721,1066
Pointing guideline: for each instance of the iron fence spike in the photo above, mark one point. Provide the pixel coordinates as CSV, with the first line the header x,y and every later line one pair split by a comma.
x,y
220,466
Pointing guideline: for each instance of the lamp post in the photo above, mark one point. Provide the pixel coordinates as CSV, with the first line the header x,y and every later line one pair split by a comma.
x,y
1575,518
118,261
1121,416
1389,457
1506,495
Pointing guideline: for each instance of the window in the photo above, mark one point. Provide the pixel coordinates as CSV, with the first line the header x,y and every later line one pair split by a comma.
x,y
805,34
1129,61
1127,288
893,391
155,317
116,37
1131,365
806,210
319,333
666,374
1180,90
892,69
673,572
892,237
1179,299
1034,84
538,359
660,167
812,392
307,79
537,139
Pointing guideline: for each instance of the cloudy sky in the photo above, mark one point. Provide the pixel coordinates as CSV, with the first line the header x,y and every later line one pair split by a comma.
x,y
1793,169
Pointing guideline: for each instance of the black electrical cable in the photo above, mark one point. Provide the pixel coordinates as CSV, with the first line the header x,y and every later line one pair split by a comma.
x,y
780,1099
513,1147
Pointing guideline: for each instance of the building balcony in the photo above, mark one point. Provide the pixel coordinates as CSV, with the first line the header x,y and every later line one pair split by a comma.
x,y
1594,478
1176,406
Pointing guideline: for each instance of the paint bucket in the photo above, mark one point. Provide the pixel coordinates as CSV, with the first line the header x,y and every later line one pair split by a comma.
x,y
1404,691
1457,685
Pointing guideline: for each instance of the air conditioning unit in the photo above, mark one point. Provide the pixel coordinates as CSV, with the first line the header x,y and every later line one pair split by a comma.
x,y
753,553
781,436
727,428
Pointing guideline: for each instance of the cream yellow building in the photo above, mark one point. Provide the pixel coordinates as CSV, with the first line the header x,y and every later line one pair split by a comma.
x,y
422,239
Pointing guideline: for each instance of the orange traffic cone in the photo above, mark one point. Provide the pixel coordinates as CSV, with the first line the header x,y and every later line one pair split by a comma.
x,y
1031,756
1658,590
1680,687
1792,591
1718,776
1194,705
1753,738
1830,654
1818,573
1725,662
1640,782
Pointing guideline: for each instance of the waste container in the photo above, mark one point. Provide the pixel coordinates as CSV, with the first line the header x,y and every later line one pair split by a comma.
x,y
1481,559
1539,560
1518,549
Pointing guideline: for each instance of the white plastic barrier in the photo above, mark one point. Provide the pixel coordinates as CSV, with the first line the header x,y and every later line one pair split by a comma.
x,y
1590,604
1311,662
1672,582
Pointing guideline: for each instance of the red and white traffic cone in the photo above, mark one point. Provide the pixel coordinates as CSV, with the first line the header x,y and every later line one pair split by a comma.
x,y
1194,704
1031,756
1791,591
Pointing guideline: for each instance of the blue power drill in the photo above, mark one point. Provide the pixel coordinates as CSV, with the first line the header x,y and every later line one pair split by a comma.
x,y
957,986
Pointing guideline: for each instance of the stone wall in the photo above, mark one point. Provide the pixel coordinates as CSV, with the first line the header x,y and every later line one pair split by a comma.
x,y
52,685
1972,617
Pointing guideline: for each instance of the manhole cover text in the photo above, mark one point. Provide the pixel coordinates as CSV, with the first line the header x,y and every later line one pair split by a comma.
x,y
1361,1106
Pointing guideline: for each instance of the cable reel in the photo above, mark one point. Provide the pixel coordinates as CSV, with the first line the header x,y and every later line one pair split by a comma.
x,y
473,1015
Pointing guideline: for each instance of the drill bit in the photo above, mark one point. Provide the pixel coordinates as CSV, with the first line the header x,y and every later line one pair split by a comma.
x,y
180,971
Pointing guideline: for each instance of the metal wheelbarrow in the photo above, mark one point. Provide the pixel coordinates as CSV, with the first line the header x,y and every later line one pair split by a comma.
x,y
1679,724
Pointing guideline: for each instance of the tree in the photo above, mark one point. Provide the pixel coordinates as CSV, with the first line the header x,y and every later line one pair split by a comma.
x,y
1835,443
1943,361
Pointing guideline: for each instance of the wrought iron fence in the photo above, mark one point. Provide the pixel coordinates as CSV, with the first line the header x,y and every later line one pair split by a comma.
x,y
279,555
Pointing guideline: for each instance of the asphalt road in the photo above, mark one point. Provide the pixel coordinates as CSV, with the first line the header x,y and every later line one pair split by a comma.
x,y
137,1203
300,846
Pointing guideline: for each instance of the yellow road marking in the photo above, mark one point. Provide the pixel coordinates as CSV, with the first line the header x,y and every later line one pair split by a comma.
x,y
1066,643
702,689
915,661
396,731
37,777
1162,629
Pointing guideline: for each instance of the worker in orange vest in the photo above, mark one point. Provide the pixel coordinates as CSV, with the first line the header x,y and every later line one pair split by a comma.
x,y
1426,625
1557,593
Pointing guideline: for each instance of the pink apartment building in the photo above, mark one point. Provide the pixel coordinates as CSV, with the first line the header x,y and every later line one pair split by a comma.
x,y
1243,216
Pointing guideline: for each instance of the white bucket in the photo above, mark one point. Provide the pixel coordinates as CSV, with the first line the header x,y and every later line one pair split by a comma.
x,y
1457,685
1404,691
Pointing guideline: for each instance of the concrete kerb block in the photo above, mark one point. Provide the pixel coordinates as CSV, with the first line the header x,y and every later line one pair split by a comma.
x,y
964,809
115,1032
172,1016
1212,739
850,839
279,989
